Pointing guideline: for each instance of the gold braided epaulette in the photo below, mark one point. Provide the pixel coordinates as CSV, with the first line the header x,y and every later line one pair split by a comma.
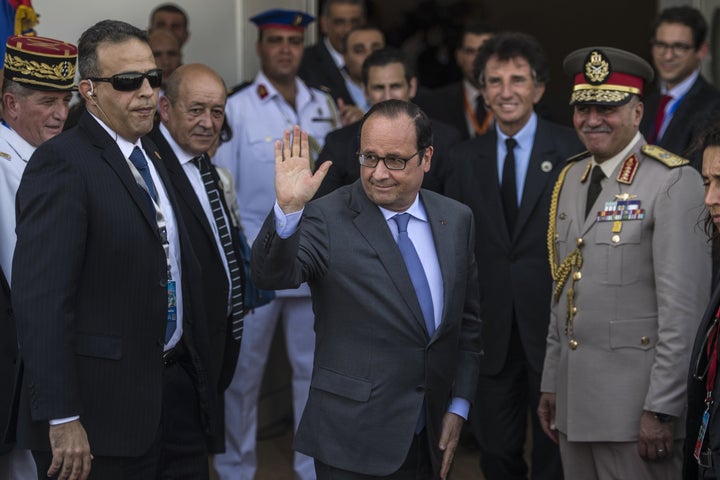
x,y
668,159
579,156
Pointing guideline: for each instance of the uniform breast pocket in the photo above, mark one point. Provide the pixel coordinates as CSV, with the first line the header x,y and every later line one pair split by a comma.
x,y
262,142
618,250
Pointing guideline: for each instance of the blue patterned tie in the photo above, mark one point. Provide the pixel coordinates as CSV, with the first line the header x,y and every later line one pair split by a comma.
x,y
138,159
416,271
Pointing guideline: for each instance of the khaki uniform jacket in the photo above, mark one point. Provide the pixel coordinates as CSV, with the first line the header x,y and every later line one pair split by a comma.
x,y
639,297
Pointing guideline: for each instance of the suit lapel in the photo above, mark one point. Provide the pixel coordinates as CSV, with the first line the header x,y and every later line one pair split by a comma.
x,y
486,174
115,159
445,245
536,178
181,183
372,226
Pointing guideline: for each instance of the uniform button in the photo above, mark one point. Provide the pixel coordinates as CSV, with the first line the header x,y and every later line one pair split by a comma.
x,y
644,340
615,238
562,216
573,344
579,242
160,342
420,388
577,276
163,282
574,310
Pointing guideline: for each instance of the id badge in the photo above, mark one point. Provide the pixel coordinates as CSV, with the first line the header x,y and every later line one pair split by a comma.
x,y
172,303
701,434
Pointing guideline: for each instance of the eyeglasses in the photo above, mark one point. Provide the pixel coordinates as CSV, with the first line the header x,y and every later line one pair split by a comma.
x,y
129,81
392,162
676,48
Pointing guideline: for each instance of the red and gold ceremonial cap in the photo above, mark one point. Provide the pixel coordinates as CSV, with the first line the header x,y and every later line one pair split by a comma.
x,y
40,63
606,75
280,18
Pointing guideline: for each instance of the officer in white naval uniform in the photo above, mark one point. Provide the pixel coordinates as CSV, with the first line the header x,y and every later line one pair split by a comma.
x,y
258,115
35,106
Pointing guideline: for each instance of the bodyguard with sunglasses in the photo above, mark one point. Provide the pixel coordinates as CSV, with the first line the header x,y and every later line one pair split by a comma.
x,y
111,334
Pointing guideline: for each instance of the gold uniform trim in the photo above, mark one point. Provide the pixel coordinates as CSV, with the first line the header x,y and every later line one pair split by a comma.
x,y
583,96
62,71
608,87
571,264
668,159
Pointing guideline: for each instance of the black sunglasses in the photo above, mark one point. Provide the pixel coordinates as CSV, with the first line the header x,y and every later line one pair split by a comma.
x,y
129,81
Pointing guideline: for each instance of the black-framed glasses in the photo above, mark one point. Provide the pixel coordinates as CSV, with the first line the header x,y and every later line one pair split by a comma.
x,y
678,48
392,162
129,81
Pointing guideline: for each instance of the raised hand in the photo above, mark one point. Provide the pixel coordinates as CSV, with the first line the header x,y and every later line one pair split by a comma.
x,y
295,184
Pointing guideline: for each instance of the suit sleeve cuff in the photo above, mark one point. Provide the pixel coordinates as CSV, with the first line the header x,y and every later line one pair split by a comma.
x,y
60,421
459,406
286,225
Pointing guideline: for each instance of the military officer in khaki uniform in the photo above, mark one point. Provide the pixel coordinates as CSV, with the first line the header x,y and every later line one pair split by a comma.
x,y
631,274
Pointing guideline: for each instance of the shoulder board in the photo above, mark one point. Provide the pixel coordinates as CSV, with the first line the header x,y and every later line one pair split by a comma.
x,y
237,88
579,156
668,159
6,156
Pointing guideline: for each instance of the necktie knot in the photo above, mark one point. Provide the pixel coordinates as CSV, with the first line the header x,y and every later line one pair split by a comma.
x,y
510,143
597,175
138,159
402,220
199,163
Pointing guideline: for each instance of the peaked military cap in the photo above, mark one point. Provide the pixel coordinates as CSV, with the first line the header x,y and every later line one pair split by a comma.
x,y
606,75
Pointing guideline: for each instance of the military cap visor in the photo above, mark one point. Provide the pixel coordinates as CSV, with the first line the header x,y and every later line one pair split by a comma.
x,y
40,63
280,18
606,75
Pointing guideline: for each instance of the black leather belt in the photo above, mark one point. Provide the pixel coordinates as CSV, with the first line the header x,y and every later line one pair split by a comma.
x,y
170,357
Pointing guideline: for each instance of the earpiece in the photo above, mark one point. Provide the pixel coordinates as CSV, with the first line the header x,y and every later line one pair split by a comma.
x,y
91,93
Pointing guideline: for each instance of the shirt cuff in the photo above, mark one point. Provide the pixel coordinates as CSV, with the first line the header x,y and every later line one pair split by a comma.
x,y
286,225
60,421
459,406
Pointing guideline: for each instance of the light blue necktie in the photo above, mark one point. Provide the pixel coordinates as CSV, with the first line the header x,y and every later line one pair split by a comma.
x,y
416,271
420,282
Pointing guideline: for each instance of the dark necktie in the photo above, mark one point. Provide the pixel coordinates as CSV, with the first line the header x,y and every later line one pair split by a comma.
x,y
594,188
138,160
659,118
420,282
480,112
508,188
213,194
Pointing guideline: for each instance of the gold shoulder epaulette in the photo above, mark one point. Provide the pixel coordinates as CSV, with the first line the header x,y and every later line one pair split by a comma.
x,y
668,159
579,156
6,156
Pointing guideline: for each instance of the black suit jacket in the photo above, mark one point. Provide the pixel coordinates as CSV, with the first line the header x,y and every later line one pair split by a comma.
x,y
318,70
90,297
341,147
446,104
215,285
696,392
514,272
694,114
8,357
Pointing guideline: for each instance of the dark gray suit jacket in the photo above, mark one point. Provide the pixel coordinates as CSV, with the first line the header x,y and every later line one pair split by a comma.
x,y
514,272
374,363
318,70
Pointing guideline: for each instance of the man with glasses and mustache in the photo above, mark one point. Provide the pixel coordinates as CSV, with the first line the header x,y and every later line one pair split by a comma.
x,y
111,334
682,108
631,271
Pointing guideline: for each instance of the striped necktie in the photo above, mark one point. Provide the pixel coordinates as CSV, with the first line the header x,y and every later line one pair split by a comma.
x,y
203,164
